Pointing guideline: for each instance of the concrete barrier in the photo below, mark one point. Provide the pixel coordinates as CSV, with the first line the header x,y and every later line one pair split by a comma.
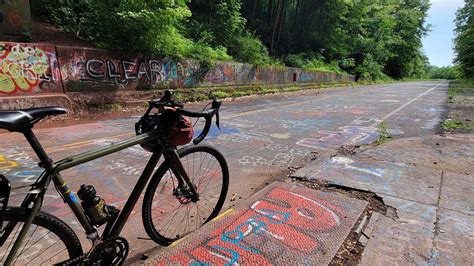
x,y
31,70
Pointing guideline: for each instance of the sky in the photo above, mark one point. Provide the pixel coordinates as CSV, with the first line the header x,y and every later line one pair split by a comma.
x,y
438,45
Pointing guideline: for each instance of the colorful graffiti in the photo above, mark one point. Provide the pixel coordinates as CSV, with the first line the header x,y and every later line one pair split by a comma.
x,y
348,135
283,227
26,68
92,69
102,70
34,68
282,222
14,16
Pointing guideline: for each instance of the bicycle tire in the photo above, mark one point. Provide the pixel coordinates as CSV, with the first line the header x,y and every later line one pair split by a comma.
x,y
148,214
33,254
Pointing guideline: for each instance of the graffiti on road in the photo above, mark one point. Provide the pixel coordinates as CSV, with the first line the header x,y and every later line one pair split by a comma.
x,y
347,135
284,221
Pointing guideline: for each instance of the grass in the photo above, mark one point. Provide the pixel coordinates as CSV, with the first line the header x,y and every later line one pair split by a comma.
x,y
459,86
384,135
203,94
112,106
457,124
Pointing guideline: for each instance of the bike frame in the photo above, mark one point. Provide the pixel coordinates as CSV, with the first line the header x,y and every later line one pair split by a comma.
x,y
52,173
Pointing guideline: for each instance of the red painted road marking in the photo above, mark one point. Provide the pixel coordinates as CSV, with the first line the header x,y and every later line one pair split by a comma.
x,y
282,220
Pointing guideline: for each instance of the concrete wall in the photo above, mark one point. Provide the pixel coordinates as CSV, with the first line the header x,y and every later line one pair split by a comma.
x,y
14,16
37,70
28,69
92,69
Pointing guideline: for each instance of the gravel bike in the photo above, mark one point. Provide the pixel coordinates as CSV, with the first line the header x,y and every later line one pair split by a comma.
x,y
187,190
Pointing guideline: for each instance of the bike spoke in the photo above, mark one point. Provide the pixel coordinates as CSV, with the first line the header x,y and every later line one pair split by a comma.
x,y
11,242
46,249
61,251
23,250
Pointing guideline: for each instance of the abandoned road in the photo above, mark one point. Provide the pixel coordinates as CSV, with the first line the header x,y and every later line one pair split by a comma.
x,y
262,138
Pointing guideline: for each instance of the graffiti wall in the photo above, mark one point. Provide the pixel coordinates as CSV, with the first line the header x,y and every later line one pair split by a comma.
x,y
28,69
14,16
93,69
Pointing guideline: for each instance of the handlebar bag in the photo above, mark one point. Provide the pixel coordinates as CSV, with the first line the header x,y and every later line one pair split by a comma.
x,y
181,132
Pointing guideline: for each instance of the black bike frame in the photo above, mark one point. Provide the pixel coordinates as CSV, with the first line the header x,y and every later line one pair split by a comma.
x,y
52,172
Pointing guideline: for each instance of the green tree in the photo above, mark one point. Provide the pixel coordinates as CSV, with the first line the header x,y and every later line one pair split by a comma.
x,y
464,39
407,60
373,39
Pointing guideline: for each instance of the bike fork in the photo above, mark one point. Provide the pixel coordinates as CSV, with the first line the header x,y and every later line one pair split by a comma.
x,y
180,173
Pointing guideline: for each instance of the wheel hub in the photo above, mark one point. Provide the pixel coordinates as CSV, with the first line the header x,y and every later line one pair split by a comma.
x,y
185,195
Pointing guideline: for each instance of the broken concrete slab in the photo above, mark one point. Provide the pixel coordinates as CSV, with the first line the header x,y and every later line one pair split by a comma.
x,y
457,193
428,182
394,179
454,240
403,240
406,168
282,224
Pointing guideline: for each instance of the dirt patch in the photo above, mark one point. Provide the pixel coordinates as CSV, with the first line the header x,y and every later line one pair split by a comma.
x,y
43,32
347,150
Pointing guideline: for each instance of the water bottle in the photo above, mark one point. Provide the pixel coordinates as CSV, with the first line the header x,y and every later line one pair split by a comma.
x,y
93,205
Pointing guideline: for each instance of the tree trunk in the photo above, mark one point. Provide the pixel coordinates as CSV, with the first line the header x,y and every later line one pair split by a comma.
x,y
296,14
282,21
275,25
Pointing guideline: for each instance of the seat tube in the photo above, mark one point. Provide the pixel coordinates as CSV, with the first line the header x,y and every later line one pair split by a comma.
x,y
73,202
40,152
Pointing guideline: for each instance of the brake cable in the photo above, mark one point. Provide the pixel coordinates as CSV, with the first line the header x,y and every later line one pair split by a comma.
x,y
197,120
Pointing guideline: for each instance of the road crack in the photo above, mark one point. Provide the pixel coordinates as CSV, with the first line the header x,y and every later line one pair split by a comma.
x,y
437,229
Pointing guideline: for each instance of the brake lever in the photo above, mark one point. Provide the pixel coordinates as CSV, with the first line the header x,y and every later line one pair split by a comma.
x,y
216,105
217,120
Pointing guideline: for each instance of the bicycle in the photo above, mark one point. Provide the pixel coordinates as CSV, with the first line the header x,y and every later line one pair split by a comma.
x,y
183,178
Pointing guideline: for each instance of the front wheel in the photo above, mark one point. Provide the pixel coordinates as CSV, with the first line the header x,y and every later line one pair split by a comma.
x,y
48,240
168,214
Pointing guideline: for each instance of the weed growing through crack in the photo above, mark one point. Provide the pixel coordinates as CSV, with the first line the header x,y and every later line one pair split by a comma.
x,y
384,135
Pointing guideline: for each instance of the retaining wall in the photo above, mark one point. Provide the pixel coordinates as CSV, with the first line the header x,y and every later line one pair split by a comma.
x,y
29,69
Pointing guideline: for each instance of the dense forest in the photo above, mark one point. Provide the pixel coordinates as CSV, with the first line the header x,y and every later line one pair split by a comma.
x,y
372,39
464,41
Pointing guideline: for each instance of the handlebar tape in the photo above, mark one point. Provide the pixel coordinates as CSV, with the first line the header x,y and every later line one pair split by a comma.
x,y
207,114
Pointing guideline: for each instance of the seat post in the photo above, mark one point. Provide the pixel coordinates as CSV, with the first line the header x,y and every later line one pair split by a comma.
x,y
40,152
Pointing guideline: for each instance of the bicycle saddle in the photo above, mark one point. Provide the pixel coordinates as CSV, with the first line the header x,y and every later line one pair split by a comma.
x,y
18,120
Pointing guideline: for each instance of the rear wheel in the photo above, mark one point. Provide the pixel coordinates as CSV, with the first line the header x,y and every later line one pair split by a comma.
x,y
47,241
168,213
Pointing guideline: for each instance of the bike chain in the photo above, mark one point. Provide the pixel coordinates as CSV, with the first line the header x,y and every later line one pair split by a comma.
x,y
112,251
